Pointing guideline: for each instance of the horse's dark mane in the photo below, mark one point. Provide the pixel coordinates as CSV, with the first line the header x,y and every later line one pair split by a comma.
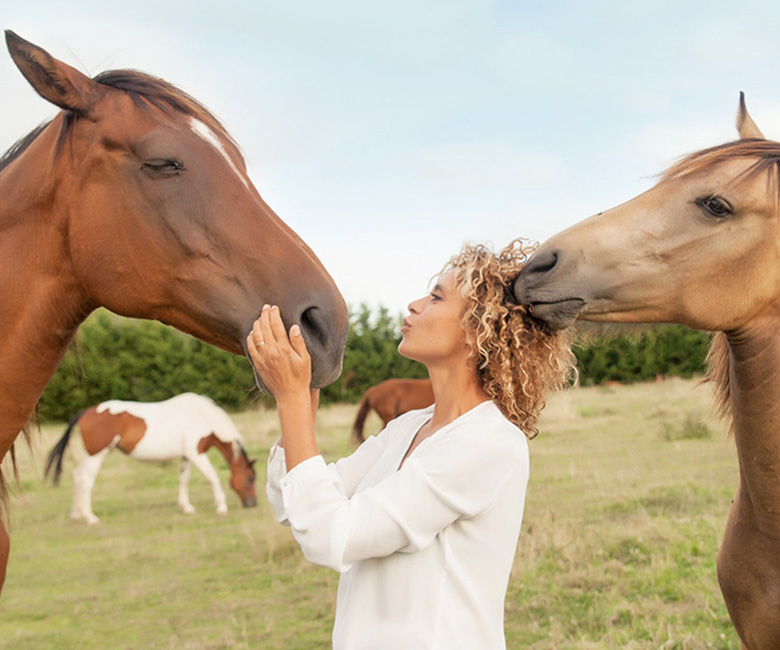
x,y
20,146
143,89
163,95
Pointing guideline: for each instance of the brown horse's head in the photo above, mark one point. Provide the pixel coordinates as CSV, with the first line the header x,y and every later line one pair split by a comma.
x,y
701,248
154,215
242,477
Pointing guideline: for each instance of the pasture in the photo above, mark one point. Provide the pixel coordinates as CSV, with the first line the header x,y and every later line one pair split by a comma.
x,y
629,491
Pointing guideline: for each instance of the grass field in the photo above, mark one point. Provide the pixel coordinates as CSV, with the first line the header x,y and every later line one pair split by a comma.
x,y
628,498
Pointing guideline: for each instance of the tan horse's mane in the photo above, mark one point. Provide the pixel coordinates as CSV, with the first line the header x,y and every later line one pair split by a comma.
x,y
767,155
718,366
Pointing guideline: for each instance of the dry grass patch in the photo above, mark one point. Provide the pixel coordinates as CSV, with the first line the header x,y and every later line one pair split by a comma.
x,y
622,526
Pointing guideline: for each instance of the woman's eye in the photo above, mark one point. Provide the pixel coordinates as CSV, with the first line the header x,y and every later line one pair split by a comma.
x,y
434,297
163,167
715,205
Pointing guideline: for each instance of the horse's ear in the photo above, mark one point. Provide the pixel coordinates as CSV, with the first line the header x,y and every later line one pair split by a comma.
x,y
745,125
53,80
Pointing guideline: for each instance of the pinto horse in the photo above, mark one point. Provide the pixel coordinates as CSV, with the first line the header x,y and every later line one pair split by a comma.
x,y
135,198
185,426
391,398
701,248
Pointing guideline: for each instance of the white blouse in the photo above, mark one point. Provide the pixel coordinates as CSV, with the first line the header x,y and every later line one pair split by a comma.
x,y
425,551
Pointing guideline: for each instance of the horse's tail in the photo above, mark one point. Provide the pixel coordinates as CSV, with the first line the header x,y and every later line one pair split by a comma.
x,y
360,418
58,451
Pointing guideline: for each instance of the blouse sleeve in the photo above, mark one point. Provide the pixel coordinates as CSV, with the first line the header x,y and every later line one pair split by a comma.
x,y
346,472
451,477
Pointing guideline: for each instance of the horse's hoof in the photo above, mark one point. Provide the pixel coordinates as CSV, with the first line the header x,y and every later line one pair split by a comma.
x,y
188,510
92,520
222,510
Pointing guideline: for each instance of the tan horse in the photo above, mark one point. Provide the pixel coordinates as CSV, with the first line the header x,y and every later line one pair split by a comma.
x,y
701,248
391,398
135,198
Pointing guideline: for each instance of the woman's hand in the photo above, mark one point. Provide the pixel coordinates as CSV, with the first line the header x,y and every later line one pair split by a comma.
x,y
284,365
282,362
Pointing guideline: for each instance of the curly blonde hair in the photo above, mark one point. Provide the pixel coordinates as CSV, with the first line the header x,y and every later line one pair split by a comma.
x,y
520,360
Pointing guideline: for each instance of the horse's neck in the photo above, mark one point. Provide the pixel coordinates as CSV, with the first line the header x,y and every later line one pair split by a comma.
x,y
42,305
754,378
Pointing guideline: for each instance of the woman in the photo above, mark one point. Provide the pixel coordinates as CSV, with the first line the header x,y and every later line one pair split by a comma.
x,y
423,519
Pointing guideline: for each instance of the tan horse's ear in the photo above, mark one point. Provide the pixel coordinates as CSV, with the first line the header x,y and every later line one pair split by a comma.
x,y
745,125
53,80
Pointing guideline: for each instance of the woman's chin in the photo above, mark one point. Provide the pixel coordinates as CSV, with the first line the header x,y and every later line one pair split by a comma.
x,y
404,351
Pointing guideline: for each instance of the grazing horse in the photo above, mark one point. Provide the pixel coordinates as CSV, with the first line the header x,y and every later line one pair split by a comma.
x,y
135,198
185,426
701,248
391,398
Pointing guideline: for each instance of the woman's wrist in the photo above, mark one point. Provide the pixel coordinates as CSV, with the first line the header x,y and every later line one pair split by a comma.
x,y
295,417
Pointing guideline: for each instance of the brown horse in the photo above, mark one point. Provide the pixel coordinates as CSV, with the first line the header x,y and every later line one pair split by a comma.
x,y
135,198
391,398
701,248
185,427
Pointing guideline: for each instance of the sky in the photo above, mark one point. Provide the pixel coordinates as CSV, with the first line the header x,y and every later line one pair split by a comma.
x,y
387,134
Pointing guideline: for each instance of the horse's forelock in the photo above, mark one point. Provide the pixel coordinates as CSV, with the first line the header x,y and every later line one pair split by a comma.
x,y
766,153
162,95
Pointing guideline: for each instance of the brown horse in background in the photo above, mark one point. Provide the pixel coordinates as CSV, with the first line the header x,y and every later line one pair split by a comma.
x,y
391,398
701,248
135,198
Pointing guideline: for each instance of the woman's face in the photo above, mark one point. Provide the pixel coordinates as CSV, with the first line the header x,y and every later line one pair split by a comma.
x,y
433,332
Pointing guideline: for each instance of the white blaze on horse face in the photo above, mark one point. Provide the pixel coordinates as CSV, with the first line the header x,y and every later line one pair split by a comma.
x,y
204,132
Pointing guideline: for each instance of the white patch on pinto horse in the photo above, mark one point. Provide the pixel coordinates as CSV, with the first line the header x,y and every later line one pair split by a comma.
x,y
209,136
173,430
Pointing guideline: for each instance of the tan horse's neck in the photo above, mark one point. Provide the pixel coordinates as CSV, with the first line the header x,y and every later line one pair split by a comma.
x,y
745,364
749,378
42,304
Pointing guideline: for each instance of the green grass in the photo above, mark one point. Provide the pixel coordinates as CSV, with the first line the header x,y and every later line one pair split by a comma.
x,y
625,512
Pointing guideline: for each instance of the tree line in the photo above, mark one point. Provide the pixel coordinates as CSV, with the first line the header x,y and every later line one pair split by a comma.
x,y
118,358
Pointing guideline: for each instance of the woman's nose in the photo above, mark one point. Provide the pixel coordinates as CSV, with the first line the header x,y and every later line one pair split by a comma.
x,y
412,307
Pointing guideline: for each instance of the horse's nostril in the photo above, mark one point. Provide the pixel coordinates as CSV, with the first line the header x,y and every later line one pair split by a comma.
x,y
313,324
542,262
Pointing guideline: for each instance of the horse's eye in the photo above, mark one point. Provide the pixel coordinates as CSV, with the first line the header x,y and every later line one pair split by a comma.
x,y
163,167
715,205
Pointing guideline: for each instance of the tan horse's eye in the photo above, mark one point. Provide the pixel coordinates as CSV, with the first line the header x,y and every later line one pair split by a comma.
x,y
715,205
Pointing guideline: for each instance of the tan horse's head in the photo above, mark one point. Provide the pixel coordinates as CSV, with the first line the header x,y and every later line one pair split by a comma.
x,y
701,248
145,202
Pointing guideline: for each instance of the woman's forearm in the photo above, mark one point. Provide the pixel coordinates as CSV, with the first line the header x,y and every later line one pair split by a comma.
x,y
296,416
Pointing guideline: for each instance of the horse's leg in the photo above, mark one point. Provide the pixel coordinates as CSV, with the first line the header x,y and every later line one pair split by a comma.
x,y
5,549
201,461
83,481
184,494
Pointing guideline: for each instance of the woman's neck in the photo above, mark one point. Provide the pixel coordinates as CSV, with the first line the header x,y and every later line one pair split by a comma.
x,y
456,389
